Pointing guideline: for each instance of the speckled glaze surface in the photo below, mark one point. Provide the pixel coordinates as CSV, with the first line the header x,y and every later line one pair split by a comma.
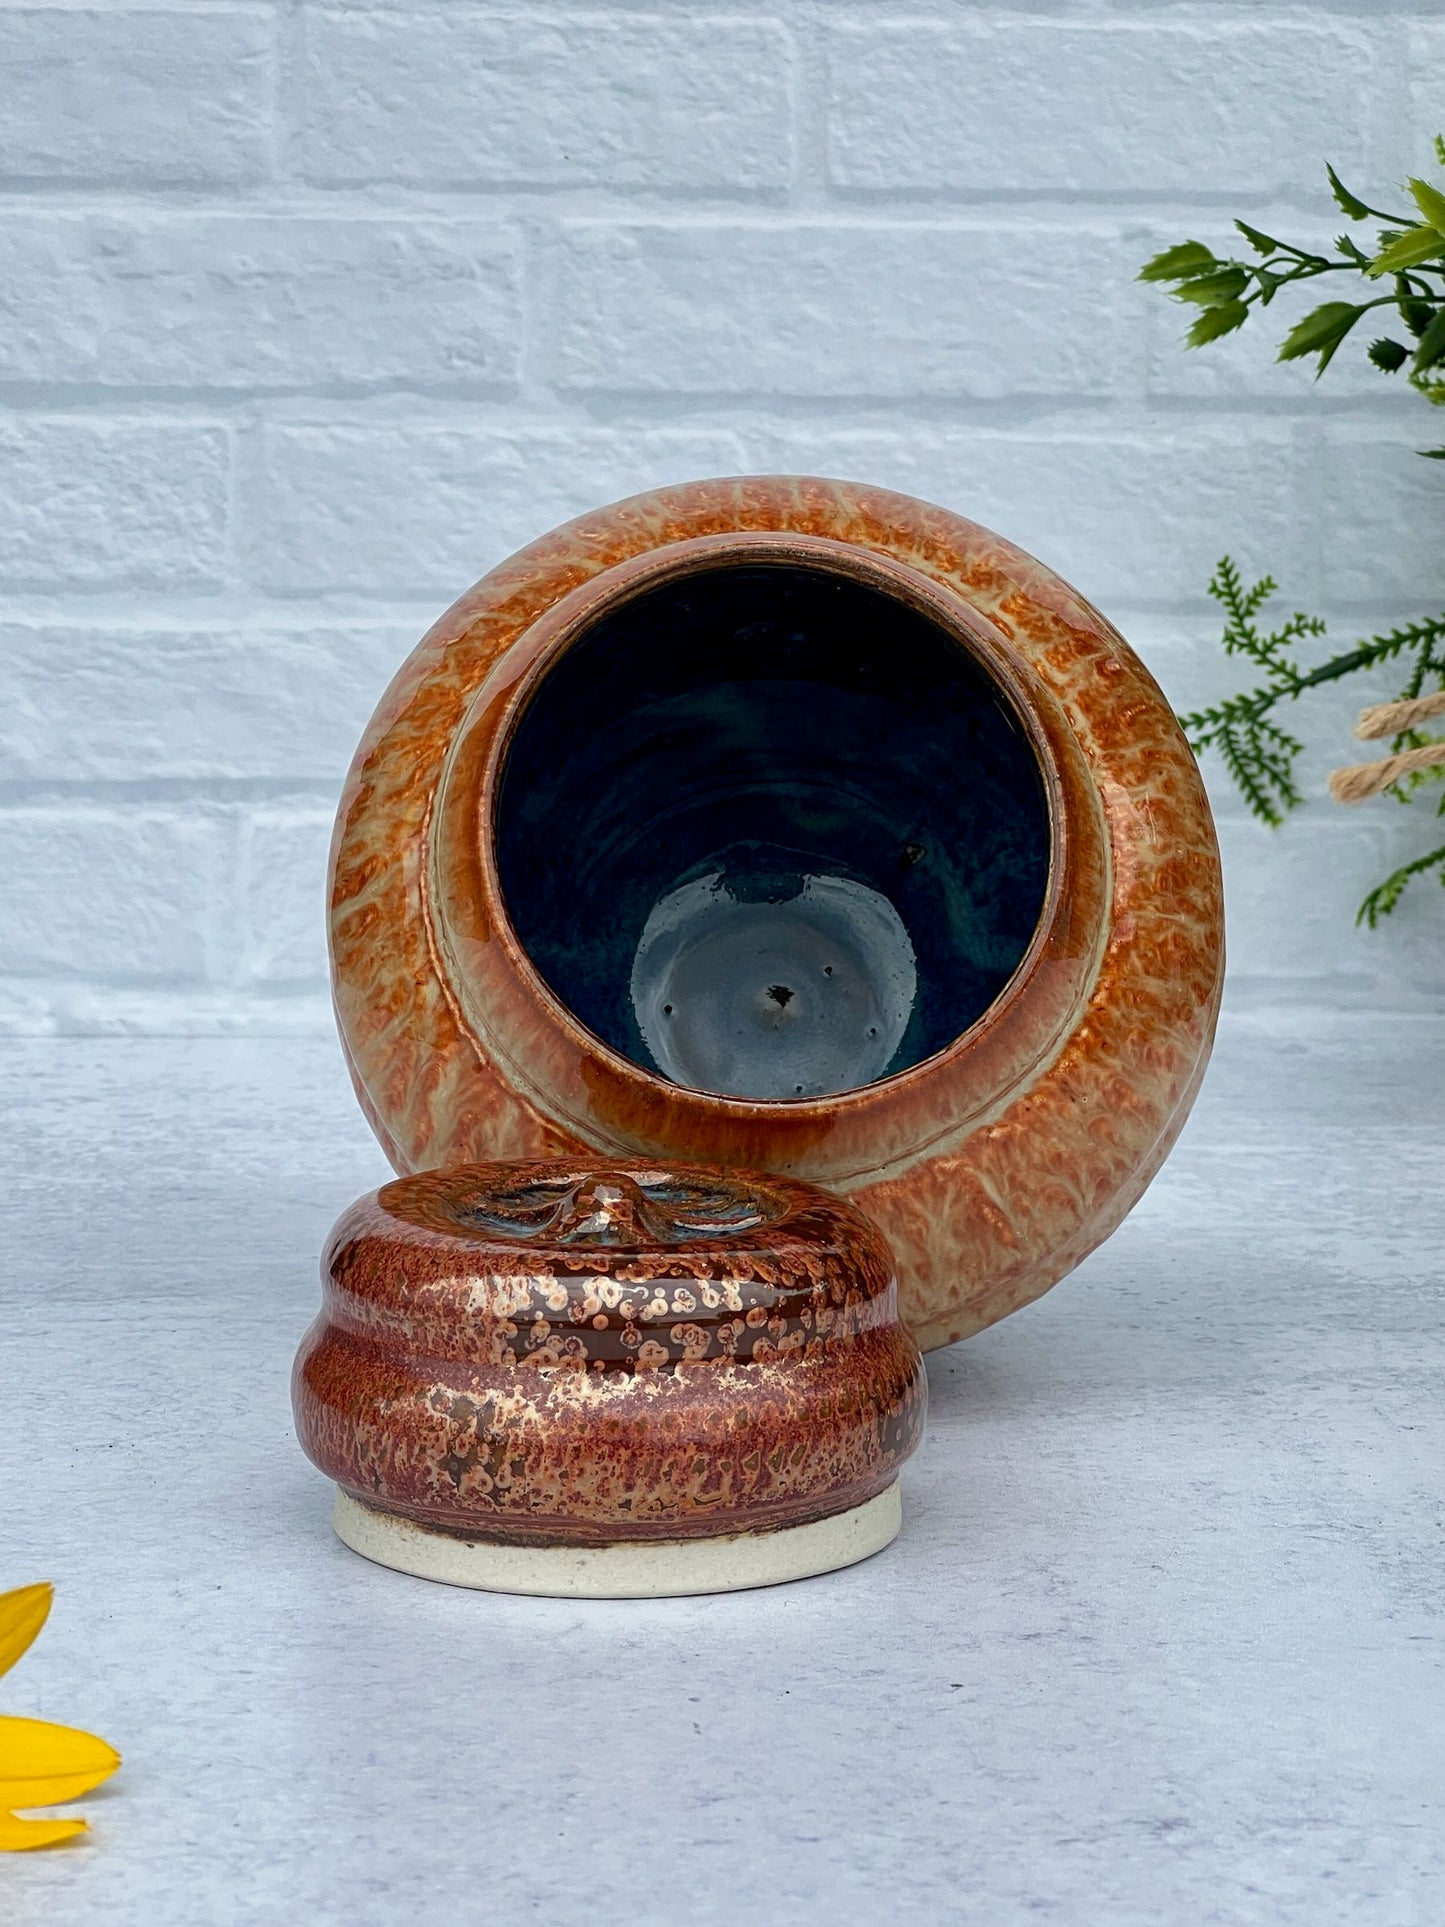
x,y
544,1354
995,1165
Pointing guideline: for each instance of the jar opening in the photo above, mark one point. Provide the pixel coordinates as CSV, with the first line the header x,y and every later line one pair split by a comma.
x,y
769,831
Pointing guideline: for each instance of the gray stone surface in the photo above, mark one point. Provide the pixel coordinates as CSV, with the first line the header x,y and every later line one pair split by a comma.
x,y
1161,1642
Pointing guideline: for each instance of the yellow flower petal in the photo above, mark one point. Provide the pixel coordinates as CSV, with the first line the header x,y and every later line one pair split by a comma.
x,y
22,1614
41,1764
16,1835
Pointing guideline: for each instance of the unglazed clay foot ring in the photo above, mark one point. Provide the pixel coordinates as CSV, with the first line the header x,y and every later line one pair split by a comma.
x,y
577,1378
656,1569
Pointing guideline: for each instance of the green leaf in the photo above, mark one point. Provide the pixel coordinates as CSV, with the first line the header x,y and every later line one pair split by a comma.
x,y
1214,290
1180,263
1261,243
1214,322
1350,248
1430,201
1432,344
1432,454
1388,354
1321,332
1416,315
1355,208
1408,250
1440,149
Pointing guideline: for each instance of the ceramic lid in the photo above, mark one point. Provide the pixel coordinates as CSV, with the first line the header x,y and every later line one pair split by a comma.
x,y
591,1351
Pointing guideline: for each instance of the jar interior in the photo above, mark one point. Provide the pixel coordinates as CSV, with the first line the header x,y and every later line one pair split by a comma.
x,y
768,831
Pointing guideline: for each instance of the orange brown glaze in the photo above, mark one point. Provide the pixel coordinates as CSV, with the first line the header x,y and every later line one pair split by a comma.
x,y
993,1167
546,1354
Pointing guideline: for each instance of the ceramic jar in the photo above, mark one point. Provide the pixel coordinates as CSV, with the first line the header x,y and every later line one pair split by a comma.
x,y
798,826
572,1378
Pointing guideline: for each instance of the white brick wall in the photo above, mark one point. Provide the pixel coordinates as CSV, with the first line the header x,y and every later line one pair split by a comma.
x,y
481,97
887,308
308,314
130,98
113,500
1224,103
241,303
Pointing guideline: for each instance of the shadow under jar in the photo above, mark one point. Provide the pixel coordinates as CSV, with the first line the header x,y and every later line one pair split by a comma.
x,y
797,826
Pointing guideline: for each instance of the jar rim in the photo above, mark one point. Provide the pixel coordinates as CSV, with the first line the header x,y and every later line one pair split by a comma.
x,y
525,1040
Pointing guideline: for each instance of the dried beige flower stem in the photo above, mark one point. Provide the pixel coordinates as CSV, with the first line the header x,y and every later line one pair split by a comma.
x,y
1388,719
1363,780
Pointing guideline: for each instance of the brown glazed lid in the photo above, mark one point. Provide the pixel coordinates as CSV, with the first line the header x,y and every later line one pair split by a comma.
x,y
573,1377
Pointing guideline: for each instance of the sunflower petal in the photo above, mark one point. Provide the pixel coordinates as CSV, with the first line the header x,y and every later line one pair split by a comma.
x,y
22,1614
53,1791
41,1764
17,1835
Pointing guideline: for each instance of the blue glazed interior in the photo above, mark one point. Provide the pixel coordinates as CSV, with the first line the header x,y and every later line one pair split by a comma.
x,y
760,726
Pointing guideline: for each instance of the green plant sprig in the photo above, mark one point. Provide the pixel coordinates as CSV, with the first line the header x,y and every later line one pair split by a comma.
x,y
1409,249
1383,898
1260,755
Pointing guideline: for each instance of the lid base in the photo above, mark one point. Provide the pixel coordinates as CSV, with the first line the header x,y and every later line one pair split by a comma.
x,y
636,1569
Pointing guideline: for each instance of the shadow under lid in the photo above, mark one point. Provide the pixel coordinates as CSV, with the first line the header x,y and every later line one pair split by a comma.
x,y
770,832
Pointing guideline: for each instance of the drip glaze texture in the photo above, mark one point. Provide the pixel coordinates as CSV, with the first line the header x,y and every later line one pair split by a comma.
x,y
544,1354
994,1164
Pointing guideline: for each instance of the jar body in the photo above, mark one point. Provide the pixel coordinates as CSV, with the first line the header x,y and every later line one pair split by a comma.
x,y
994,1159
